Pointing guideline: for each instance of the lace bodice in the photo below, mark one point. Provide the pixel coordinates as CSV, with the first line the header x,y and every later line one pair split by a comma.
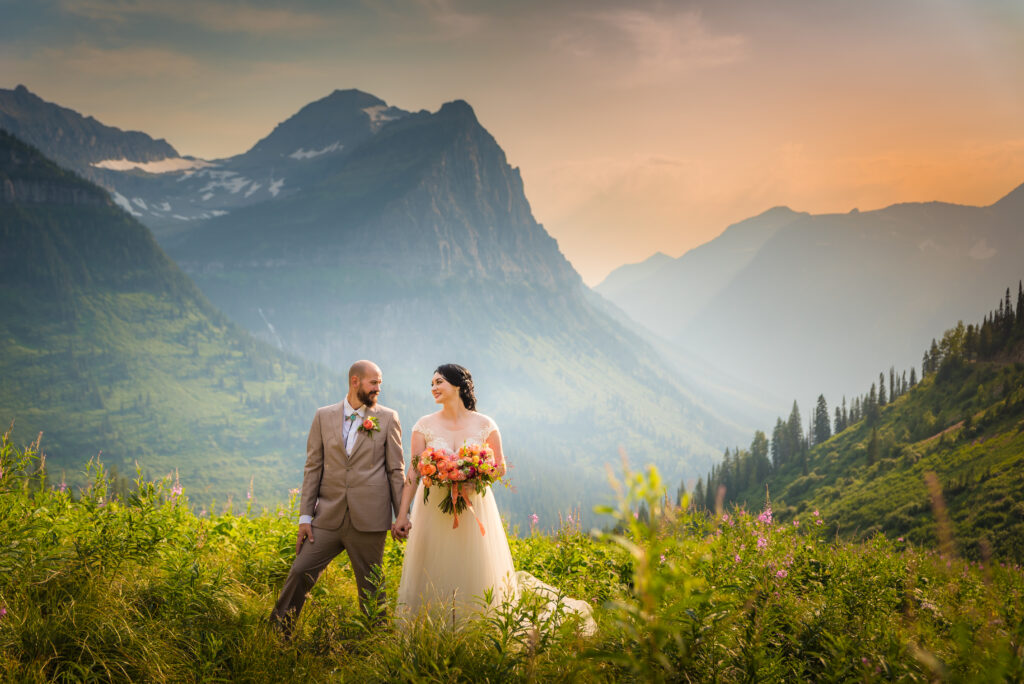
x,y
436,437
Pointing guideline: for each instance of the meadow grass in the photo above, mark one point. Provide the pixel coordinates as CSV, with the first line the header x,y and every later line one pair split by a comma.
x,y
94,588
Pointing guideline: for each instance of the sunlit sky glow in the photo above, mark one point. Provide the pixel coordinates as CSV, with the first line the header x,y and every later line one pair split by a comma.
x,y
638,126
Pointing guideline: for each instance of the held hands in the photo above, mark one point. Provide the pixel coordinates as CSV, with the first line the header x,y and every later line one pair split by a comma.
x,y
400,528
305,532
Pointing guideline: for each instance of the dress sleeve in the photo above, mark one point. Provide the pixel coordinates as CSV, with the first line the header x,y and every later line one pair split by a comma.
x,y
421,427
487,429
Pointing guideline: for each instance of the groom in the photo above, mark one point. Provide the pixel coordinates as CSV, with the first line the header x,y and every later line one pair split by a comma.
x,y
352,484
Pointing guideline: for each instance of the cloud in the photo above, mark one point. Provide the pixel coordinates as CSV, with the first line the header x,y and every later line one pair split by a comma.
x,y
217,17
647,47
144,62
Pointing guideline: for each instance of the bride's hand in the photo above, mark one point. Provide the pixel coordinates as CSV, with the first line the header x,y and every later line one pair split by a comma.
x,y
401,528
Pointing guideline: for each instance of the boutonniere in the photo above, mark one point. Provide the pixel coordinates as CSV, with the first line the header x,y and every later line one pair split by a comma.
x,y
369,425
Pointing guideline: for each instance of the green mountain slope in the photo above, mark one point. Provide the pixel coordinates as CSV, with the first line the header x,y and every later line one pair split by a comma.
x,y
952,446
105,345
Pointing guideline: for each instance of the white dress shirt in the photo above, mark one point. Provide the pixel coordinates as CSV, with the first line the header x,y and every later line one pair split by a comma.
x,y
348,432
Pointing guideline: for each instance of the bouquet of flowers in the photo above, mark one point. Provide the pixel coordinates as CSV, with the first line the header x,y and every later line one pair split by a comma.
x,y
472,465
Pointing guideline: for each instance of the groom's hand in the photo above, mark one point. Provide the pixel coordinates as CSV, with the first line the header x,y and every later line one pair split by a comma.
x,y
400,529
305,532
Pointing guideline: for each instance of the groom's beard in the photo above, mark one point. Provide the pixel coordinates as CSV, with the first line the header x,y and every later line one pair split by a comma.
x,y
369,399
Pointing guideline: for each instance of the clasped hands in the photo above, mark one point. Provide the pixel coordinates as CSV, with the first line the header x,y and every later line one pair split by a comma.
x,y
400,528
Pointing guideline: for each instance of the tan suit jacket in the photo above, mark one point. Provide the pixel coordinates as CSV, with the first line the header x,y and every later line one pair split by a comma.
x,y
367,483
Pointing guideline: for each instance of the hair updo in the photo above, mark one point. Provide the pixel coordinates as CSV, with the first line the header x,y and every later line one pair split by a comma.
x,y
459,377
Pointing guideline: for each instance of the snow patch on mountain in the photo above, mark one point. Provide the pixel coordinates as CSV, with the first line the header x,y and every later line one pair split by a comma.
x,y
275,187
139,202
380,115
162,166
122,201
302,153
227,180
253,188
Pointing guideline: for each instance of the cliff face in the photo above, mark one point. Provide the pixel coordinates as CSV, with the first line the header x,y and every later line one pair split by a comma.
x,y
26,177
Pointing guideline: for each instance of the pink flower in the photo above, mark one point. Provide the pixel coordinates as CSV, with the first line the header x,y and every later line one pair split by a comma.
x,y
636,515
816,513
761,543
248,495
533,519
796,523
899,539
293,492
568,518
781,573
737,558
766,516
3,612
176,490
662,559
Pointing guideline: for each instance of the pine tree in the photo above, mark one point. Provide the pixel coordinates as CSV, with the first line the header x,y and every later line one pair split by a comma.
x,y
913,377
893,386
873,447
822,430
779,454
837,425
698,495
794,432
1020,303
846,416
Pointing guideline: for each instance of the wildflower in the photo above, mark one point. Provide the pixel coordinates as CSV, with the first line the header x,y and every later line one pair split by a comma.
x,y
761,543
202,513
176,490
818,521
725,517
899,539
781,573
568,518
294,492
816,514
636,515
796,523
3,612
248,495
766,516
62,487
736,559
534,518
662,559
101,503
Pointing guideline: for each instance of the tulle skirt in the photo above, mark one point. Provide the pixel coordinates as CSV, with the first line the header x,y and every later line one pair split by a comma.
x,y
450,572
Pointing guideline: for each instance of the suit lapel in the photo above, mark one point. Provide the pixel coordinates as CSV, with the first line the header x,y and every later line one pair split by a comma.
x,y
361,435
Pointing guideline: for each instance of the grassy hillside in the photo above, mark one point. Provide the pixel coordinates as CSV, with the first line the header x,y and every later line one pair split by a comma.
x,y
949,449
106,346
100,588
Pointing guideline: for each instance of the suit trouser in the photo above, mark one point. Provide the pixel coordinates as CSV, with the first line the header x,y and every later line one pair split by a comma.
x,y
365,550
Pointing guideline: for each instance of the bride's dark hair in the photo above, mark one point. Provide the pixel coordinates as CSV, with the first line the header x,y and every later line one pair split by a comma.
x,y
459,377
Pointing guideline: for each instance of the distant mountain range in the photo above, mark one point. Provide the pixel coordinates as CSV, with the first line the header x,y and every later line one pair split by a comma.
x,y
801,304
358,230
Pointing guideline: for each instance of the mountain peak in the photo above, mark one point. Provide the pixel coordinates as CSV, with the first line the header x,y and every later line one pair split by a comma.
x,y
1014,201
332,123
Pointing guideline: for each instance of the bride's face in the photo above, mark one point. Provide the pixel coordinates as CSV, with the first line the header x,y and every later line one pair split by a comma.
x,y
442,389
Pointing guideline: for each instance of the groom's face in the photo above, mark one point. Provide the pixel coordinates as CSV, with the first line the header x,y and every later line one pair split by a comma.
x,y
368,388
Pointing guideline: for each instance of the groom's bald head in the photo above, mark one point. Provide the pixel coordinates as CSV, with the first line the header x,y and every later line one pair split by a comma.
x,y
364,381
361,369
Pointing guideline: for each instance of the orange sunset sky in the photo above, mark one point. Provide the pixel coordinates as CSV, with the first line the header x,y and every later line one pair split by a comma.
x,y
637,127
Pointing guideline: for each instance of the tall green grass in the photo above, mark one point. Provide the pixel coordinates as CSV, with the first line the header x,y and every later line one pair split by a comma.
x,y
95,588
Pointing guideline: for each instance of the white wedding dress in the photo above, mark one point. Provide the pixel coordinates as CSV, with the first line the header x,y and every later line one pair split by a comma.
x,y
448,571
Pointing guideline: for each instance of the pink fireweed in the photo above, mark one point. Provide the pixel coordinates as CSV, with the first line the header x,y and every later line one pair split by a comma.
x,y
781,573
534,518
766,516
762,543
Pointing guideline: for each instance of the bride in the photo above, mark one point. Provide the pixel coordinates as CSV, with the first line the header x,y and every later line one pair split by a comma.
x,y
451,569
